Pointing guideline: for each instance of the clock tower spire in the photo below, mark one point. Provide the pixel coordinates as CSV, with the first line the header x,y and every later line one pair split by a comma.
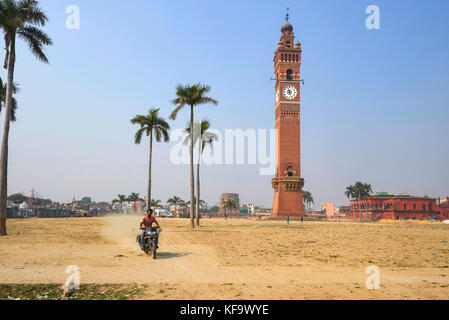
x,y
287,183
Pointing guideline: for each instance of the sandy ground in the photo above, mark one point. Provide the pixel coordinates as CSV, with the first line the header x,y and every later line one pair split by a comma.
x,y
234,259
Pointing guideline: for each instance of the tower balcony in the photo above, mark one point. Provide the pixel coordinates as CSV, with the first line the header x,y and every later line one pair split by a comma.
x,y
289,184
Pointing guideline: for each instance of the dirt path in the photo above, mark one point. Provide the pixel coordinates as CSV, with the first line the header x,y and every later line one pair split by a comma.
x,y
233,259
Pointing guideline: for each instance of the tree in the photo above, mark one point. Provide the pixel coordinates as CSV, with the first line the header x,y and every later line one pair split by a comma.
x,y
215,209
151,124
308,199
17,19
350,192
230,204
206,138
191,96
175,201
155,204
358,191
15,89
121,198
134,197
18,198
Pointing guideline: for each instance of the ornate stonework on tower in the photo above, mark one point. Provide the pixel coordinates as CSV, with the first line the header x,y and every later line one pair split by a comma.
x,y
287,183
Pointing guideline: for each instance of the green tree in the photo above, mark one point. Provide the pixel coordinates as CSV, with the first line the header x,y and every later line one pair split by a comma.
x,y
358,191
18,19
202,202
151,124
308,199
230,205
121,198
15,89
155,204
134,197
215,209
191,96
206,138
18,198
175,201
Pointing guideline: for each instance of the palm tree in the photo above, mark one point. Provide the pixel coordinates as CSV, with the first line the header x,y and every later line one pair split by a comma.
x,y
134,197
175,201
191,96
350,192
359,191
206,138
307,198
17,19
151,124
121,198
201,203
230,204
15,89
155,204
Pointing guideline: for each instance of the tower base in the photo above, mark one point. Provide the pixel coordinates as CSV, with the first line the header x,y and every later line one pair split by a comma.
x,y
288,201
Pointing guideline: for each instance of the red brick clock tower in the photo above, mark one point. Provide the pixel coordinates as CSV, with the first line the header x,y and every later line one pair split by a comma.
x,y
287,183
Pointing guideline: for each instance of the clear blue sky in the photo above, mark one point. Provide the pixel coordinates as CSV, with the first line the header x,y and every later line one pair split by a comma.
x,y
375,105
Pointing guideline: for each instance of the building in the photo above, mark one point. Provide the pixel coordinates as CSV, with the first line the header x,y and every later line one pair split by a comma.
x,y
343,211
229,196
287,183
329,209
388,206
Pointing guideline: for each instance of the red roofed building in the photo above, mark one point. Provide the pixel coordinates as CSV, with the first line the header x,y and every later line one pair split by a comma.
x,y
388,206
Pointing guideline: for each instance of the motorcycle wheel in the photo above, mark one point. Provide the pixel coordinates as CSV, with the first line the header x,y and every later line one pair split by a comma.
x,y
153,248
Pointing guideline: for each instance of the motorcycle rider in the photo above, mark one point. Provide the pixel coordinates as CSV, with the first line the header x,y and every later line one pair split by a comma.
x,y
145,223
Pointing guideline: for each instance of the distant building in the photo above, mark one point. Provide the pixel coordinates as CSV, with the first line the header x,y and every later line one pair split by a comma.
x,y
388,206
227,196
329,209
343,212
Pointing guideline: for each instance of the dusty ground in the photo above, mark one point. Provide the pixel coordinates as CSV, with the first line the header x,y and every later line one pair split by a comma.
x,y
234,259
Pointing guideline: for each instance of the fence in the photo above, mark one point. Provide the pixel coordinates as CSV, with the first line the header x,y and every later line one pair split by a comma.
x,y
41,213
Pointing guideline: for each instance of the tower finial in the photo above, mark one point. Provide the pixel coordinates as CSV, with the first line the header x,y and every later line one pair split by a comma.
x,y
287,16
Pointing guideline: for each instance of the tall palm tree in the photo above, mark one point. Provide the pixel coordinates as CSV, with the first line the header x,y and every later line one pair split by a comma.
x,y
307,198
206,138
175,201
121,198
230,204
359,191
350,192
155,204
202,202
15,89
151,124
191,96
134,197
17,19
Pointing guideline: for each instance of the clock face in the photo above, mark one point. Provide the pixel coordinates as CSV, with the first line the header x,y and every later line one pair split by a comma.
x,y
290,92
277,95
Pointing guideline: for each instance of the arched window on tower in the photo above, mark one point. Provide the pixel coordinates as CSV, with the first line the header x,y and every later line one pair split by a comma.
x,y
282,57
290,171
287,44
297,58
289,74
289,57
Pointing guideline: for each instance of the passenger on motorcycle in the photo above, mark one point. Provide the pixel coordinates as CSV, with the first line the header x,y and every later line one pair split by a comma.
x,y
145,224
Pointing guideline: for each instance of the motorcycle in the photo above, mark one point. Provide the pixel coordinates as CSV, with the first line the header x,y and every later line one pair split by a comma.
x,y
150,241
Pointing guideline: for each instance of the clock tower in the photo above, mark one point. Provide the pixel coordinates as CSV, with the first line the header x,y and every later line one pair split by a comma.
x,y
287,183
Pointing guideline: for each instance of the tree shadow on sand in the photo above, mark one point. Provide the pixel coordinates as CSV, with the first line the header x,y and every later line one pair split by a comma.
x,y
169,255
